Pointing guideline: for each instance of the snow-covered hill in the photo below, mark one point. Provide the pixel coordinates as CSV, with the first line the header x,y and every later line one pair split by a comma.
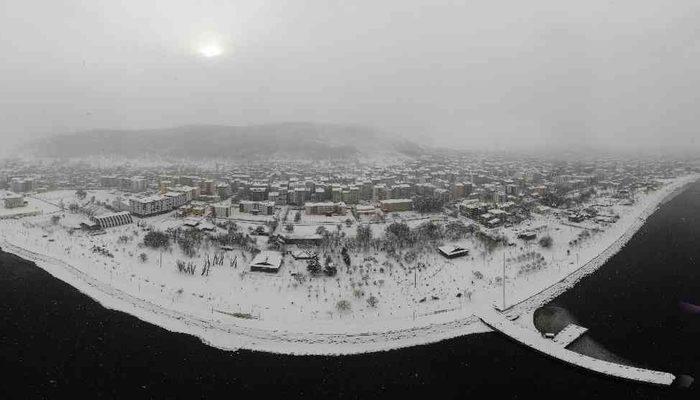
x,y
280,141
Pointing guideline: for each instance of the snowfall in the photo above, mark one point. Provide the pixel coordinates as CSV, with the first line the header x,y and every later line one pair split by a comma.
x,y
420,301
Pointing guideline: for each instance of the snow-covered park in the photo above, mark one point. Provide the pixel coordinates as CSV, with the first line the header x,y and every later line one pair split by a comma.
x,y
387,283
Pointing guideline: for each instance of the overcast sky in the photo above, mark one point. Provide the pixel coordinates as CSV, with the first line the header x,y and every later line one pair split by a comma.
x,y
473,73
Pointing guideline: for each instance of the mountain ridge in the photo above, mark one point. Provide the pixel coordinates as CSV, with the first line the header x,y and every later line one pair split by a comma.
x,y
294,140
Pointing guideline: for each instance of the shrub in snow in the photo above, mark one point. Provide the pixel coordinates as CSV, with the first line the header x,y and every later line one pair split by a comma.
x,y
330,270
546,241
455,230
364,234
190,241
343,306
188,268
398,234
428,232
313,266
346,257
410,256
156,239
372,301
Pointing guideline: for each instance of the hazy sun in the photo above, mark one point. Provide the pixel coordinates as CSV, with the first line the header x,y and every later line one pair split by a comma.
x,y
210,50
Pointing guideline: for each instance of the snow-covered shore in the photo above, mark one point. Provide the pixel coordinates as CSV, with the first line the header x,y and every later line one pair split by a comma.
x,y
536,300
335,336
328,339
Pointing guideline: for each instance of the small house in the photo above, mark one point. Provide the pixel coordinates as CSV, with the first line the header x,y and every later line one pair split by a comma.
x,y
267,261
527,235
452,251
14,201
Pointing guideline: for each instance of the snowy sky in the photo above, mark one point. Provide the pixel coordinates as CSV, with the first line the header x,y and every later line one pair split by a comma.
x,y
473,73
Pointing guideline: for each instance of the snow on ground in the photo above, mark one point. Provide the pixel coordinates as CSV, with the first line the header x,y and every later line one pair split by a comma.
x,y
310,219
238,216
34,205
421,297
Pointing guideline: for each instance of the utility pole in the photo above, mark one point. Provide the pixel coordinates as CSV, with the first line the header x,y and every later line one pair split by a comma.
x,y
504,281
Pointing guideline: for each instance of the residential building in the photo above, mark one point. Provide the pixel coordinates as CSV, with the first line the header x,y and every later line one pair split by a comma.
x,y
21,185
152,205
177,199
396,205
222,209
257,207
325,208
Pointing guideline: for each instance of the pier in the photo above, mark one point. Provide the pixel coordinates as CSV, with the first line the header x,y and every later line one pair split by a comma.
x,y
556,349
569,334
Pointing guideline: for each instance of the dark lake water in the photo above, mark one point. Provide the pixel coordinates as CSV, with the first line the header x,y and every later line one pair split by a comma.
x,y
56,342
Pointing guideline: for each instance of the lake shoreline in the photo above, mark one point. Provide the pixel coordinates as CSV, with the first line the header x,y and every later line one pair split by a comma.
x,y
355,340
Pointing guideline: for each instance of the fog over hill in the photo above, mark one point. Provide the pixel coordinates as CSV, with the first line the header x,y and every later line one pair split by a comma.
x,y
281,141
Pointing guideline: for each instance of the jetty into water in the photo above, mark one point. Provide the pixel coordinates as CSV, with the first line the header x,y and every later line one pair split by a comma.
x,y
557,349
569,334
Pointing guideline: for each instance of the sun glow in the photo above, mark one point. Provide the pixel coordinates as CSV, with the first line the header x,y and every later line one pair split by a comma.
x,y
210,44
210,50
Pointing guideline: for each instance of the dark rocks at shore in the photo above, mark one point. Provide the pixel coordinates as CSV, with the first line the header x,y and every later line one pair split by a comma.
x,y
552,319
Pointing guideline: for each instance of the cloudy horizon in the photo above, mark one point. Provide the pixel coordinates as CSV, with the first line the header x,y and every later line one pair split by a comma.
x,y
470,74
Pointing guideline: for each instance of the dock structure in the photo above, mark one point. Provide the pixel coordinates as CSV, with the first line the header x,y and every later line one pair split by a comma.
x,y
570,333
534,340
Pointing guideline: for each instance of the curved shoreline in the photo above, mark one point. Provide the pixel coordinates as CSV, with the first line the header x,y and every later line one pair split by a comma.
x,y
229,336
547,294
298,339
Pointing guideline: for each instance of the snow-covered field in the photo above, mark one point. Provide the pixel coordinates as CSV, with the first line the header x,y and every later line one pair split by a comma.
x,y
32,207
420,298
